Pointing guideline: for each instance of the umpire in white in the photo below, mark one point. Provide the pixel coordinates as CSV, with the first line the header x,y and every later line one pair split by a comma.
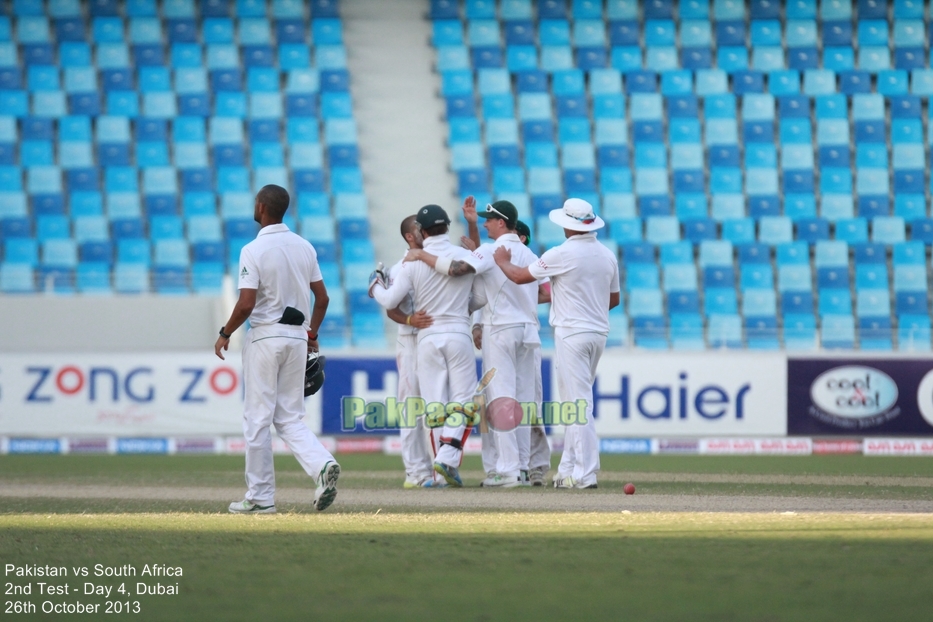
x,y
584,286
276,271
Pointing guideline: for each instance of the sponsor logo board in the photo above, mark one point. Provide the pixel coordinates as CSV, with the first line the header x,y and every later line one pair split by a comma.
x,y
678,446
756,446
688,394
898,447
359,445
90,446
34,446
841,446
860,396
625,445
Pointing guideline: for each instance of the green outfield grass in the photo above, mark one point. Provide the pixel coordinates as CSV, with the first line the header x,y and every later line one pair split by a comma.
x,y
359,471
463,566
348,564
220,470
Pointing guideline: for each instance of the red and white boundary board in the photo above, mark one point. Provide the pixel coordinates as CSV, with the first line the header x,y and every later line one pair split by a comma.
x,y
898,447
756,446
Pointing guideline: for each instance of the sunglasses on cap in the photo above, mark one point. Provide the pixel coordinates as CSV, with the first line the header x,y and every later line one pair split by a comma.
x,y
490,208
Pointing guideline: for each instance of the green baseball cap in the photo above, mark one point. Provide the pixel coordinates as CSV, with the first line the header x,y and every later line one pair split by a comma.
x,y
522,230
431,215
501,209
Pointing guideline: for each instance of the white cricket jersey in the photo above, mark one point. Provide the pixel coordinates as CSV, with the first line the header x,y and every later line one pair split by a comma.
x,y
280,266
407,306
444,298
583,273
506,302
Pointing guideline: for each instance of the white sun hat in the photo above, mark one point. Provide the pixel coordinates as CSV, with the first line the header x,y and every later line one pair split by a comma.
x,y
576,215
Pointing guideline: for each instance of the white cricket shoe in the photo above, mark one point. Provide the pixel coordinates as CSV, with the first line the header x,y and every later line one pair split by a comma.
x,y
501,481
248,507
326,487
536,476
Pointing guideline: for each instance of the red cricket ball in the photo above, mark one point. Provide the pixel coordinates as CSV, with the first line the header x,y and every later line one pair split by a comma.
x,y
629,489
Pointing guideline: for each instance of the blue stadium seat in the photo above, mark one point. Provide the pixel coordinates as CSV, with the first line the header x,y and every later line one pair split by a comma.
x,y
838,331
875,333
913,332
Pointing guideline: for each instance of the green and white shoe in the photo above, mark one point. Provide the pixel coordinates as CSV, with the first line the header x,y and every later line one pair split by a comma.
x,y
326,487
500,481
564,482
248,507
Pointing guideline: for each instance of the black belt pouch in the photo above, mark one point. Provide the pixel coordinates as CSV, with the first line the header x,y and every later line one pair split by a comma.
x,y
292,317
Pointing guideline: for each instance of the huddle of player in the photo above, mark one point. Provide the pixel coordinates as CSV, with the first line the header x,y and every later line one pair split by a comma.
x,y
435,292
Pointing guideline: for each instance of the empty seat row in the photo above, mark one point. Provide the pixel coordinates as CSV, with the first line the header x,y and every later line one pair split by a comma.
x,y
151,30
178,9
717,10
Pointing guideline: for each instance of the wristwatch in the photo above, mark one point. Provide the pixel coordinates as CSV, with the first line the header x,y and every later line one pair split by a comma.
x,y
223,334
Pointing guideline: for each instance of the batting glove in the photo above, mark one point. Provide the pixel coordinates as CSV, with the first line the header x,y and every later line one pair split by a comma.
x,y
378,276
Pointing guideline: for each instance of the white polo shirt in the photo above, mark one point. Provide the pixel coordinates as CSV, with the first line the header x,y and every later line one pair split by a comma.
x,y
407,306
280,266
445,298
583,273
506,302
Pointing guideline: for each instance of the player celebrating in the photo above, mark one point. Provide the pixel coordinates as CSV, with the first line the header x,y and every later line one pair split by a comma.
x,y
276,270
584,287
536,456
446,368
534,453
510,340
417,450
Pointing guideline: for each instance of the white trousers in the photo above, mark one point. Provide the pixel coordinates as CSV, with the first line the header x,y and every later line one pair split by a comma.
x,y
417,454
510,350
447,373
577,357
274,360
532,446
538,452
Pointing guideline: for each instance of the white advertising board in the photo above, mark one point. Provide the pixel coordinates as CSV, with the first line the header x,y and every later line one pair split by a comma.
x,y
691,394
124,395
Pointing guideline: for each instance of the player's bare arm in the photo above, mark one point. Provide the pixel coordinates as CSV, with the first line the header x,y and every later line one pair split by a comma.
x,y
241,311
614,299
544,293
459,267
503,259
318,311
419,319
478,336
469,214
